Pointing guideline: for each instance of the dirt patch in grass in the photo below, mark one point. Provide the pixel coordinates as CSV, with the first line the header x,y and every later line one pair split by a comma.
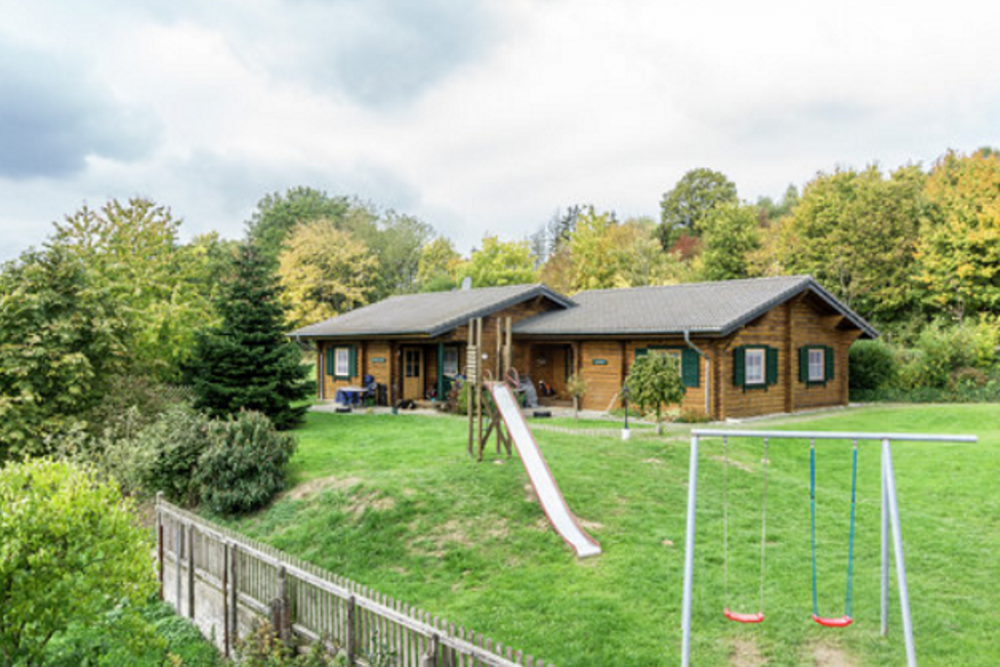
x,y
366,501
653,461
745,653
829,655
529,494
736,464
589,525
315,486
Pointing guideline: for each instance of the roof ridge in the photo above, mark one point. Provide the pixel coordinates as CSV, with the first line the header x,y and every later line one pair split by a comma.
x,y
800,276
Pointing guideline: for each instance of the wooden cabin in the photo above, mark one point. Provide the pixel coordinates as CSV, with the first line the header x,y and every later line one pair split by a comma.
x,y
746,347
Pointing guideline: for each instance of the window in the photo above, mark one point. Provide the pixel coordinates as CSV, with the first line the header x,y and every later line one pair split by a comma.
x,y
816,365
411,363
450,361
755,366
342,362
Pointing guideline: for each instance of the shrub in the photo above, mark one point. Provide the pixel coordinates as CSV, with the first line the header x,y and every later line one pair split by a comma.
x,y
941,349
262,648
243,466
872,365
174,443
71,551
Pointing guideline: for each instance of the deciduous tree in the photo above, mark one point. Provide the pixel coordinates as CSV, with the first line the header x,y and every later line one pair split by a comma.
x,y
325,271
958,253
855,231
437,263
698,191
61,339
131,251
730,233
499,263
277,214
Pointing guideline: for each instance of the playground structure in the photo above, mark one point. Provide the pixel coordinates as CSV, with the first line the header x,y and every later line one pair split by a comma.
x,y
890,518
493,408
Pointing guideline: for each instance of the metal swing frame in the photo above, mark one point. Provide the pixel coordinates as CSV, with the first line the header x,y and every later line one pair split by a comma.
x,y
890,518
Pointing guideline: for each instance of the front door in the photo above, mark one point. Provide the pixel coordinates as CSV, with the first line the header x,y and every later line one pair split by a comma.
x,y
413,373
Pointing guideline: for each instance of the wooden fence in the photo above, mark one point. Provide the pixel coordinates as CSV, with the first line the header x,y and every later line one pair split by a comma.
x,y
226,582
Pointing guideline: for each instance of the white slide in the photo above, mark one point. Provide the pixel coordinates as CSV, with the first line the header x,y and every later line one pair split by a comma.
x,y
553,503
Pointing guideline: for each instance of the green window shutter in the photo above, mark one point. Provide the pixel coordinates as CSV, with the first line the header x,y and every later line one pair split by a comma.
x,y
772,365
804,364
739,367
828,358
331,361
690,361
352,364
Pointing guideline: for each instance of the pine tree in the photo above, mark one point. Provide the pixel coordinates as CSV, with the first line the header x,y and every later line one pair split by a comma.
x,y
247,362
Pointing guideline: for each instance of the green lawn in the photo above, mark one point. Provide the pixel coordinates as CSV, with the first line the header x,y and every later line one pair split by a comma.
x,y
393,502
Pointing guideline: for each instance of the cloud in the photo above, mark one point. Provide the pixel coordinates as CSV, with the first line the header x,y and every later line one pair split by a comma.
x,y
53,117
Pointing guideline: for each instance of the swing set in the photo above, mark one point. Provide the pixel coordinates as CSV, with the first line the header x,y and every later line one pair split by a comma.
x,y
890,516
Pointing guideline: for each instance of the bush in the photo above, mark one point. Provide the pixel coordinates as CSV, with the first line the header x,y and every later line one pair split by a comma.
x,y
174,443
150,636
71,551
243,466
872,365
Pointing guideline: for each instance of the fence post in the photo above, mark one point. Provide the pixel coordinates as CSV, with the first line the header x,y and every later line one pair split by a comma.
x,y
429,659
225,599
178,536
234,609
351,637
159,540
280,612
190,559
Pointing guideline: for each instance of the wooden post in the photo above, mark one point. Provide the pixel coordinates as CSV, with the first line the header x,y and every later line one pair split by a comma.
x,y
280,612
159,539
320,369
479,380
429,659
351,643
190,591
498,364
225,599
178,536
234,609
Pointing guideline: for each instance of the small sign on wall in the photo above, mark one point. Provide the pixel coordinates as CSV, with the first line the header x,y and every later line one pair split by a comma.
x,y
600,362
378,360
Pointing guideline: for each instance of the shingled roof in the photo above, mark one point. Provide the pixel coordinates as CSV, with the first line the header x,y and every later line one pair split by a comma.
x,y
716,308
429,314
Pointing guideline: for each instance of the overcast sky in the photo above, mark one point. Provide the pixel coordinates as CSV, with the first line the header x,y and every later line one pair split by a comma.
x,y
475,116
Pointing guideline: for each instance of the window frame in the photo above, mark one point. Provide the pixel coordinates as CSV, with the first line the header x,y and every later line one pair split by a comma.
x,y
342,371
820,364
761,354
450,366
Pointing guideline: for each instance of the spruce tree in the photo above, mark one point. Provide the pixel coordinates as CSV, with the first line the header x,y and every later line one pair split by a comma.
x,y
247,362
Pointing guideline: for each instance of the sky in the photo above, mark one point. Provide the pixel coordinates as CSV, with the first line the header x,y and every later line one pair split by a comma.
x,y
477,116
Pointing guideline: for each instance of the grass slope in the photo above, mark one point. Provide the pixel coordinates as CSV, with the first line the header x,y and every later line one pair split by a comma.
x,y
394,503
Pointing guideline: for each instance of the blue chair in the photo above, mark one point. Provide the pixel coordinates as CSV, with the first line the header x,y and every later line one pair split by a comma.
x,y
371,390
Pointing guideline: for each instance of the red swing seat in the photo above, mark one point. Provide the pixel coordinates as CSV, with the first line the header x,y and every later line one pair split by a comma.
x,y
841,622
744,618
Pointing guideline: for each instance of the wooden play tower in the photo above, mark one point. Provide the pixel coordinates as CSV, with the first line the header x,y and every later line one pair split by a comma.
x,y
484,418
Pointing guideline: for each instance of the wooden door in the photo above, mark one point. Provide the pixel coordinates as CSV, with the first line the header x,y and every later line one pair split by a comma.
x,y
413,373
